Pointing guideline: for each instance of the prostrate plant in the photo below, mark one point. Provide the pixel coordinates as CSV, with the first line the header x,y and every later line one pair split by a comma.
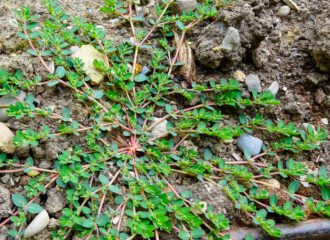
x,y
118,185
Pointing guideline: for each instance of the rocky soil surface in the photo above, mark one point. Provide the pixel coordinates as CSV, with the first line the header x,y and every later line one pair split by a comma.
x,y
266,45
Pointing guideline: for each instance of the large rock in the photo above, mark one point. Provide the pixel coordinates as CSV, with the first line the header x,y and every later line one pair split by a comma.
x,y
87,53
56,200
250,144
5,202
6,139
38,224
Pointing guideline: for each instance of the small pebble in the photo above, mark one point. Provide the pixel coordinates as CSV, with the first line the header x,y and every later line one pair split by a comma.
x,y
239,75
274,87
249,143
231,41
6,139
13,23
33,173
38,224
324,121
253,82
283,11
160,129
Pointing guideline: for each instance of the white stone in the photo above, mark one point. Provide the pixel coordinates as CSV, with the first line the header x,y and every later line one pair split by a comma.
x,y
38,224
160,129
253,82
231,41
13,23
292,4
116,220
51,67
6,139
274,87
324,121
87,53
283,11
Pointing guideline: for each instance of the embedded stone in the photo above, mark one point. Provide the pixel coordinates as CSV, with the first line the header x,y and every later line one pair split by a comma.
x,y
250,144
38,224
87,53
6,139
253,83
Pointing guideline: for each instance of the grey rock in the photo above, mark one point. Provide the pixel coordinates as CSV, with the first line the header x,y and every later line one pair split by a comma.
x,y
283,11
38,153
181,6
56,200
232,40
38,224
6,100
52,150
253,82
249,143
6,178
316,78
274,87
5,202
293,109
160,129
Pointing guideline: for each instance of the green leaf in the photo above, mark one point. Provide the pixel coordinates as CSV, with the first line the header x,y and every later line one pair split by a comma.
x,y
98,94
34,208
168,108
247,154
87,223
184,235
114,189
102,220
19,200
66,115
60,72
249,237
180,25
325,193
21,35
52,83
119,199
140,78
103,179
12,232
32,52
186,194
197,233
293,186
208,154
